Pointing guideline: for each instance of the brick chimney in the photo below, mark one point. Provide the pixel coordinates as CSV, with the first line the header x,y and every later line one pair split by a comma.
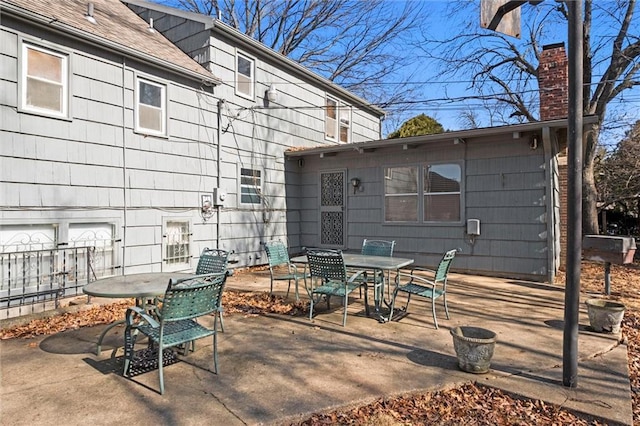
x,y
553,81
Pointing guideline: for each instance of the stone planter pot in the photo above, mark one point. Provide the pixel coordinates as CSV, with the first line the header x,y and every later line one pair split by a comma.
x,y
474,348
605,315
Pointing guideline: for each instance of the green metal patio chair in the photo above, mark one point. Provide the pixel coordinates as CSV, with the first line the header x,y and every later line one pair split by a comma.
x,y
172,321
327,269
422,286
377,248
281,268
214,261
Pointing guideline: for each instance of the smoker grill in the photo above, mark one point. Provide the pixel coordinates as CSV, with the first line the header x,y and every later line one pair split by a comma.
x,y
608,249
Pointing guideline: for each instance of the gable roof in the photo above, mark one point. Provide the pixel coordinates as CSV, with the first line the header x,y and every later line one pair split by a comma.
x,y
253,46
116,28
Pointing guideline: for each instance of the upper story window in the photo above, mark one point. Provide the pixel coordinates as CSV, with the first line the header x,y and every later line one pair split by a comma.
x,y
245,75
44,81
250,186
337,121
151,107
439,184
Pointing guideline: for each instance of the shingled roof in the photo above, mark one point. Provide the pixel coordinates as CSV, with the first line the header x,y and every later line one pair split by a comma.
x,y
116,27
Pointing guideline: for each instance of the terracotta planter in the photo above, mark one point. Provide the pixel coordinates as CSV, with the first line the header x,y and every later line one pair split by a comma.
x,y
474,348
605,315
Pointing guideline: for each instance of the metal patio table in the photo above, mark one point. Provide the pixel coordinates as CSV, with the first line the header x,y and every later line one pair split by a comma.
x,y
371,263
139,286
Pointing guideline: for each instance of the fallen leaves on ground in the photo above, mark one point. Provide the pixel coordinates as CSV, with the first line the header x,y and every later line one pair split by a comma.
x,y
470,404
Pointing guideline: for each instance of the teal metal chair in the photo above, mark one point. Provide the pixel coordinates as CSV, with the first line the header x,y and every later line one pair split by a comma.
x,y
214,261
172,321
329,278
422,286
378,248
281,268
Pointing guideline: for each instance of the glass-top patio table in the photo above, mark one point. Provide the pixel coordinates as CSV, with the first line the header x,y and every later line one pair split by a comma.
x,y
138,286
371,263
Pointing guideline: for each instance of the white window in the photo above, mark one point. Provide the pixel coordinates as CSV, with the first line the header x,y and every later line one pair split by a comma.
x,y
18,238
245,70
44,81
99,236
401,194
442,193
250,186
337,121
440,185
151,107
176,245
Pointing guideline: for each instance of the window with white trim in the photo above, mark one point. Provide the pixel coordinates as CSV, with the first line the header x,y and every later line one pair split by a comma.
x,y
441,193
439,184
337,120
401,194
245,79
250,186
176,244
44,81
151,107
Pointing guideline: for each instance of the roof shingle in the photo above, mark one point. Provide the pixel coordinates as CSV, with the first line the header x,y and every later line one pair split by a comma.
x,y
116,24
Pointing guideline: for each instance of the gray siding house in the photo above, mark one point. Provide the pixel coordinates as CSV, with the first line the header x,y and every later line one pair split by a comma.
x,y
494,193
126,154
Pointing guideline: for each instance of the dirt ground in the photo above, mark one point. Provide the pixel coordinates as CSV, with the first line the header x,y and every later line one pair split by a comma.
x,y
471,404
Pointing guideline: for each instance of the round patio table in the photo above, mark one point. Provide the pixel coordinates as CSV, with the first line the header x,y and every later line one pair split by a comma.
x,y
138,286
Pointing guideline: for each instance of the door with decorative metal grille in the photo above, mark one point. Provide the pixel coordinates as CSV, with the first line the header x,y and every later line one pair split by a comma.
x,y
332,201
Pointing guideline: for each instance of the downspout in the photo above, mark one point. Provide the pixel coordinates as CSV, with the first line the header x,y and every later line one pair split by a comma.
x,y
218,177
124,167
551,183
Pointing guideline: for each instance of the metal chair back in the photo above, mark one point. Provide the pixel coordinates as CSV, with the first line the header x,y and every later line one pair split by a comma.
x,y
378,247
277,252
212,261
327,264
192,297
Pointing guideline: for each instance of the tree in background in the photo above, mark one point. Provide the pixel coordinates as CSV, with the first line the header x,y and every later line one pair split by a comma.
x,y
416,126
618,182
505,70
359,45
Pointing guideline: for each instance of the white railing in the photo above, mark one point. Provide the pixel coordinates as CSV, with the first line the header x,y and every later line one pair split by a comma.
x,y
36,280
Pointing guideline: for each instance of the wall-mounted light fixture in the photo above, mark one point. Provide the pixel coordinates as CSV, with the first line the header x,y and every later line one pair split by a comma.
x,y
355,182
272,93
457,141
534,142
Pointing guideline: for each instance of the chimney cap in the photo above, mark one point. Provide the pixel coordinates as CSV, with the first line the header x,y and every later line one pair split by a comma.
x,y
553,46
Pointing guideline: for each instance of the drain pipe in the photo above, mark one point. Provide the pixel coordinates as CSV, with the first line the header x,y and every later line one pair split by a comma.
x,y
124,167
218,177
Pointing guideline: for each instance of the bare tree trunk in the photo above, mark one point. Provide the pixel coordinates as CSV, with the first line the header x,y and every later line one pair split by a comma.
x,y
589,189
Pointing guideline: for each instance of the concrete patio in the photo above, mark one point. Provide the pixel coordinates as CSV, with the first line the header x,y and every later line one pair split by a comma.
x,y
276,369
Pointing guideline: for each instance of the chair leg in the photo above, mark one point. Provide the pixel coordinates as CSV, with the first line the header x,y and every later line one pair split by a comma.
x,y
297,293
446,308
433,310
129,343
366,301
288,288
219,313
215,351
160,350
344,315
